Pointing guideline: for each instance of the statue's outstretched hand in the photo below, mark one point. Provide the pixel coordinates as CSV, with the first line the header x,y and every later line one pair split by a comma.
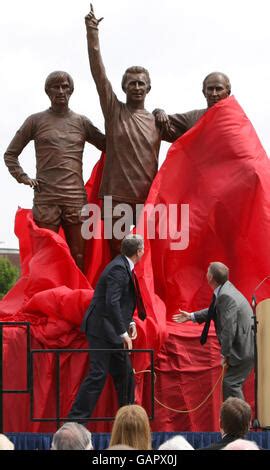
x,y
90,20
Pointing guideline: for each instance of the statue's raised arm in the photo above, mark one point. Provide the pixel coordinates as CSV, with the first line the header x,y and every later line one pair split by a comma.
x,y
90,20
95,60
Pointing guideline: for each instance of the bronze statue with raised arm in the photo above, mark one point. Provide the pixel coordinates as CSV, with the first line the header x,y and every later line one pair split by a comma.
x,y
133,139
59,135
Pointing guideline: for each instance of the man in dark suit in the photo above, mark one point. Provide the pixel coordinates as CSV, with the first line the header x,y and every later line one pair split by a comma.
x,y
108,324
235,417
232,316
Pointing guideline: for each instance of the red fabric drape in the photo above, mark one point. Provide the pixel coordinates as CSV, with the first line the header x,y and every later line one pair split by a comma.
x,y
220,169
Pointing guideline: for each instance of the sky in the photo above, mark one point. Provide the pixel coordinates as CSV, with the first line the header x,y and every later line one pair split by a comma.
x,y
178,42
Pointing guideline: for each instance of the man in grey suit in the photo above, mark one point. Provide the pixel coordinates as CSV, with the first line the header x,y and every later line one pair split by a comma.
x,y
232,316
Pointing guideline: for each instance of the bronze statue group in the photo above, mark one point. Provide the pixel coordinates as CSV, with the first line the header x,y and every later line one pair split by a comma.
x,y
131,142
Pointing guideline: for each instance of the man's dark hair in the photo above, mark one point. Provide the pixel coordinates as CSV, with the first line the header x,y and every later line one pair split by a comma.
x,y
72,436
235,416
55,77
135,69
219,271
223,75
131,244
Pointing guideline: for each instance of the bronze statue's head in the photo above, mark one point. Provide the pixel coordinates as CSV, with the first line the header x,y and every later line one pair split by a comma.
x,y
56,77
135,70
216,87
59,87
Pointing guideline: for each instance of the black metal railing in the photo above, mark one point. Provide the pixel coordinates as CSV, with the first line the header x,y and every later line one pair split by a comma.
x,y
30,354
58,418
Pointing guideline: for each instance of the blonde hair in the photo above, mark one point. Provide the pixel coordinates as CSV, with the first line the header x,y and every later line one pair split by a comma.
x,y
131,427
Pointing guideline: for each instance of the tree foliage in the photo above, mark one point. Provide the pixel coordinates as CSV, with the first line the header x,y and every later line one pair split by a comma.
x,y
8,275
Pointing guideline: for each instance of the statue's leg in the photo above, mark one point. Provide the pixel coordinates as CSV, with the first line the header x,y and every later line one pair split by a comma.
x,y
52,216
76,243
72,220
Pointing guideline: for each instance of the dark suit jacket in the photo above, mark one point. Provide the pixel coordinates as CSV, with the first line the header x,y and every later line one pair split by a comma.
x,y
111,309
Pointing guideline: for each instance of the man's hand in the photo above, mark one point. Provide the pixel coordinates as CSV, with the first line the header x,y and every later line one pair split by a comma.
x,y
182,317
132,331
33,183
127,342
224,361
90,20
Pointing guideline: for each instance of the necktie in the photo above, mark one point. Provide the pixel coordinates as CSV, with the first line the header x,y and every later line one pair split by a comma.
x,y
139,300
210,315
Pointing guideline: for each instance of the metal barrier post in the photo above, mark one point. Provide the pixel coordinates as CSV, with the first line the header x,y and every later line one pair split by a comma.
x,y
28,371
58,389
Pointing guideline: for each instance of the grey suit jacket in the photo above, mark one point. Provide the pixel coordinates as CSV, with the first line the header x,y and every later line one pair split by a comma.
x,y
233,324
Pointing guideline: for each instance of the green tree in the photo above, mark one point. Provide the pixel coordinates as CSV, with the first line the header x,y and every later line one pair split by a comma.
x,y
8,275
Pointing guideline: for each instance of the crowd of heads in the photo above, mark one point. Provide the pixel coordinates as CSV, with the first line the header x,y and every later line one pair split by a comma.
x,y
131,431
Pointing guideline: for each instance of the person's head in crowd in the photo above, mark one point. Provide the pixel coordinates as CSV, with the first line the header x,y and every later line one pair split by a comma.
x,y
72,436
120,447
235,417
5,443
176,443
131,427
241,444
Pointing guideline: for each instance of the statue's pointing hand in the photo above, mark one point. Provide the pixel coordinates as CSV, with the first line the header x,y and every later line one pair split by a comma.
x,y
90,20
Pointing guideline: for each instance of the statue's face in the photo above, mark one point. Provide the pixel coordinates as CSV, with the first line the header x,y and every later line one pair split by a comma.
x,y
215,89
59,92
136,87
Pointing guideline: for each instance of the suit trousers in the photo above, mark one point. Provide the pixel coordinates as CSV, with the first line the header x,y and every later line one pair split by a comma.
x,y
117,363
234,378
